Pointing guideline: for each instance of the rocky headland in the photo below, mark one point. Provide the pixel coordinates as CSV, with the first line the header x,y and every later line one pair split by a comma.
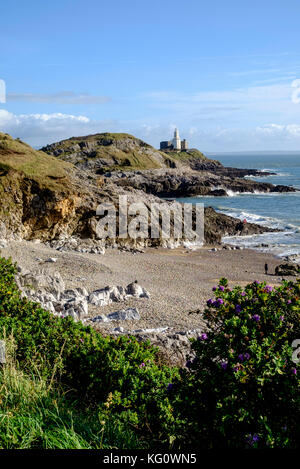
x,y
130,162
45,197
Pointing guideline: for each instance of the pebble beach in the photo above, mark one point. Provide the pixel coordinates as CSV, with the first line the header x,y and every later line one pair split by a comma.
x,y
178,280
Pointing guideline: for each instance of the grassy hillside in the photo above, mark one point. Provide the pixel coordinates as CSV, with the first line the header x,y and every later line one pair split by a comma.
x,y
120,151
39,193
45,169
185,155
107,151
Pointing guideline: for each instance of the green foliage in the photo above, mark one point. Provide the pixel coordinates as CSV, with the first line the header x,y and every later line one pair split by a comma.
x,y
242,388
93,366
36,413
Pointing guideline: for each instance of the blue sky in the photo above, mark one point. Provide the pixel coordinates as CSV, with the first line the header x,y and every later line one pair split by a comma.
x,y
226,73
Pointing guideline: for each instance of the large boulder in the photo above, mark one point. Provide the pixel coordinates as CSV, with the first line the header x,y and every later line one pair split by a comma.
x,y
124,315
134,289
41,281
129,314
287,269
114,293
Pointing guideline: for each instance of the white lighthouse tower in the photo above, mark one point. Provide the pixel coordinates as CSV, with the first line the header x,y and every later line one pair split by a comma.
x,y
176,140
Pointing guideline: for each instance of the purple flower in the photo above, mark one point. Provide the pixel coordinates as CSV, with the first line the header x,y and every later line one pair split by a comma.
x,y
218,303
281,318
142,365
170,386
252,439
256,282
241,357
289,302
268,288
246,356
294,371
256,317
214,288
202,337
238,308
209,302
224,365
243,293
236,368
221,288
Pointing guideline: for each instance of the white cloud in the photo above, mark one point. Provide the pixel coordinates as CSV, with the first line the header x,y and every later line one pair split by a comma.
x,y
235,97
61,97
282,131
253,105
40,129
296,91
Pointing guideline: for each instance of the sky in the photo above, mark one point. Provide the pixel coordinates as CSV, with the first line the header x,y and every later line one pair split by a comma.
x,y
226,73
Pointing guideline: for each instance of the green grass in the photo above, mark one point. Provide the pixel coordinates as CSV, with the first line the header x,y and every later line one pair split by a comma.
x,y
118,158
47,170
186,155
106,135
35,412
109,146
71,387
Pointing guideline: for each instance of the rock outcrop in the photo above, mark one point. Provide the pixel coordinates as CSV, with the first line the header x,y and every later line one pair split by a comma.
x,y
104,152
287,270
186,183
50,292
130,162
45,198
217,225
101,152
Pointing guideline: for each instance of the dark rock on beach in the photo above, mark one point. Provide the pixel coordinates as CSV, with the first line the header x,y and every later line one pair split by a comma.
x,y
287,270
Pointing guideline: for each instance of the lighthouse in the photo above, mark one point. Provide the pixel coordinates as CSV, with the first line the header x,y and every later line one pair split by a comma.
x,y
176,140
175,143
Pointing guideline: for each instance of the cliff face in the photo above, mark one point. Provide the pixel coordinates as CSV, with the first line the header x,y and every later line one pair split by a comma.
x,y
41,196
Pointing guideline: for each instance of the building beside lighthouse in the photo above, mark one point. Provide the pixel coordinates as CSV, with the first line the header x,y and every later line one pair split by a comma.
x,y
175,144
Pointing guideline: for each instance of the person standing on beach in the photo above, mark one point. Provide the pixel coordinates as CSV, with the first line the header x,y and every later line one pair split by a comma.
x,y
266,269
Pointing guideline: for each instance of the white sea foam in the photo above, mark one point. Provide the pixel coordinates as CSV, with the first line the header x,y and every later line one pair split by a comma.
x,y
263,220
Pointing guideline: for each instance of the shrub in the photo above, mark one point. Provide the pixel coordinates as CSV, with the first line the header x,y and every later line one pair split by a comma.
x,y
94,366
36,413
242,388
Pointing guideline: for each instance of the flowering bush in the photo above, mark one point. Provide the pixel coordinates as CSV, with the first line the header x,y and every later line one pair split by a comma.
x,y
242,388
239,389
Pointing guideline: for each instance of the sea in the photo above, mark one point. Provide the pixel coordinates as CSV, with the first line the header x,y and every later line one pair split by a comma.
x,y
274,210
